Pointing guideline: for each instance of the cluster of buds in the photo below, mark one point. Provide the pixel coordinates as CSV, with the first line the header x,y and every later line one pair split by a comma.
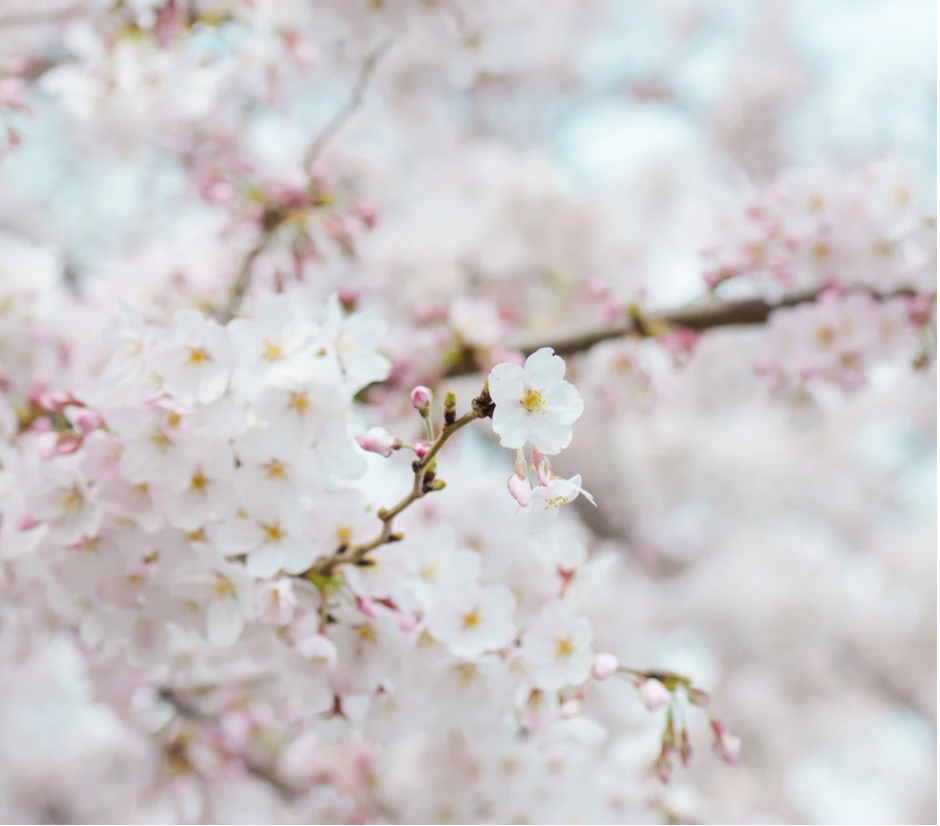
x,y
665,689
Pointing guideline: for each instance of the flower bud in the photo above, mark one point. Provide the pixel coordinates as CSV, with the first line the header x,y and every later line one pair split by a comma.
x,y
699,698
654,694
378,440
422,448
605,665
520,489
368,607
421,400
727,745
450,407
407,622
569,709
541,466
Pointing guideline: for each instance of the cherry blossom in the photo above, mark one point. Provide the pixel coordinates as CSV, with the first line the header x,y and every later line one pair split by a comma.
x,y
534,403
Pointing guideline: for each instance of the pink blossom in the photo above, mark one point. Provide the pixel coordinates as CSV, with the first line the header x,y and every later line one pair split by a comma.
x,y
378,440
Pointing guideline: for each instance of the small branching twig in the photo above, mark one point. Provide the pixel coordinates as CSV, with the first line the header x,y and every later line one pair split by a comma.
x,y
338,121
424,483
191,712
243,279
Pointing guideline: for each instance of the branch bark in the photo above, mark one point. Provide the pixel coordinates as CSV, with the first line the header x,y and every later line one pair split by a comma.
x,y
697,318
481,408
338,121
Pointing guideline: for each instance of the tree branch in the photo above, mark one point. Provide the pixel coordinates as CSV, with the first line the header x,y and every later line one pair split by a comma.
x,y
424,483
338,121
243,279
190,711
697,318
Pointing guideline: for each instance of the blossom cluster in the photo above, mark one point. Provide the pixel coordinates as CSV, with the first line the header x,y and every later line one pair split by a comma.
x,y
205,494
818,227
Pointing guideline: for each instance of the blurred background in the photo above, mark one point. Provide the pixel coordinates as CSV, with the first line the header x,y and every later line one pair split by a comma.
x,y
525,165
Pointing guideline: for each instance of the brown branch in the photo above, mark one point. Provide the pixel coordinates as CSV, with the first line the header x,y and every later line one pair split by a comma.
x,y
748,311
338,121
190,711
883,684
243,279
424,483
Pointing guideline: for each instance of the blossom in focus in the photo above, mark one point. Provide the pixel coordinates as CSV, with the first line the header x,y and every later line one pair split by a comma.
x,y
534,403
547,501
378,440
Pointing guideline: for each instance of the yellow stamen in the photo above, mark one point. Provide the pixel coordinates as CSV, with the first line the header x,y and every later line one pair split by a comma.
x,y
276,469
198,355
299,402
564,647
272,352
160,440
224,588
533,401
199,482
273,533
72,499
471,620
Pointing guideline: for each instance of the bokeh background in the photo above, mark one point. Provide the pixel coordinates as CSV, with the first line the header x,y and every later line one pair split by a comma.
x,y
782,551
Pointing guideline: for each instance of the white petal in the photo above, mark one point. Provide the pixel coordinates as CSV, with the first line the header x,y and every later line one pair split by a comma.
x,y
507,384
543,366
224,622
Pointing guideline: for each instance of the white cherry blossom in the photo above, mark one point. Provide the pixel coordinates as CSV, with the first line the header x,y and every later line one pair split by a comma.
x,y
195,360
534,403
473,621
558,645
548,500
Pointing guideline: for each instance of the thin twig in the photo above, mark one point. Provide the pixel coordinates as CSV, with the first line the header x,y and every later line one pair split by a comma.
x,y
243,279
482,407
190,711
697,318
338,121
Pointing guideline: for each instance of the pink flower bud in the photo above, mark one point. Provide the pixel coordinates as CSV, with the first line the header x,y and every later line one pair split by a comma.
x,y
605,665
47,445
54,401
613,311
422,448
41,425
368,607
520,490
86,421
378,440
654,694
598,288
727,745
26,522
407,622
68,443
569,709
542,467
421,399
699,698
